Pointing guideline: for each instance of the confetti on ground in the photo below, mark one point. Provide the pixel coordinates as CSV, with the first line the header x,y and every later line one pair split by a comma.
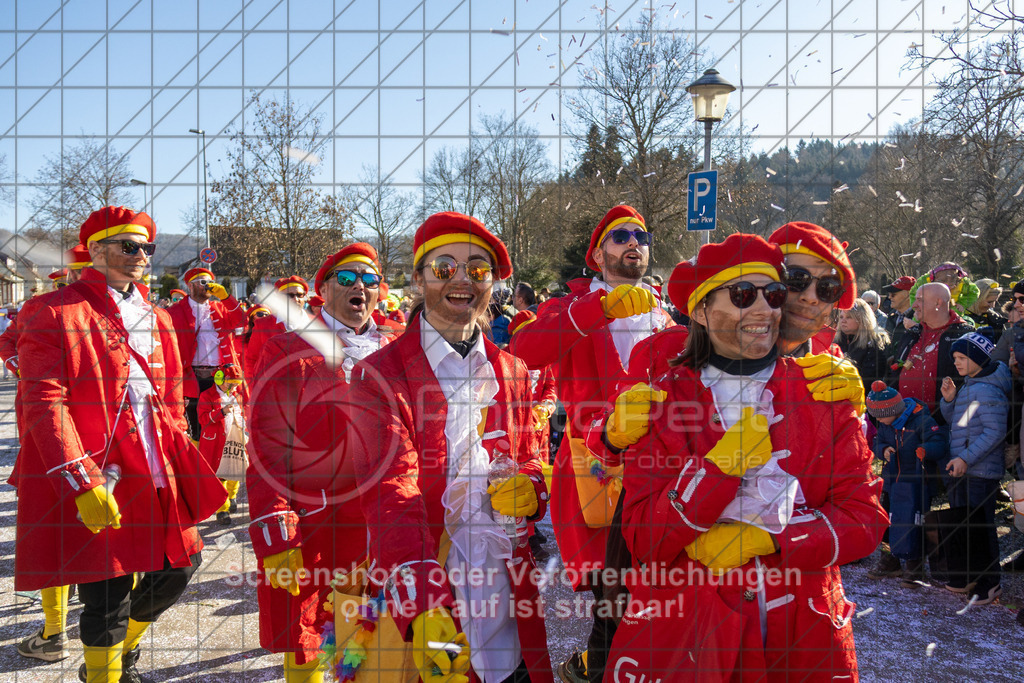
x,y
929,650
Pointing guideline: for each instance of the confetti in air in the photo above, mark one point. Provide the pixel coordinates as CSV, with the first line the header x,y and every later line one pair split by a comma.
x,y
998,254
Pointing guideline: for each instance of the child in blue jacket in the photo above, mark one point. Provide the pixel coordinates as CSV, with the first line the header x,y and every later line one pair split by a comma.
x,y
977,417
906,436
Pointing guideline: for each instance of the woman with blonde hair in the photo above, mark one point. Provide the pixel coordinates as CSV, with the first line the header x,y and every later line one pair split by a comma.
x,y
984,312
862,341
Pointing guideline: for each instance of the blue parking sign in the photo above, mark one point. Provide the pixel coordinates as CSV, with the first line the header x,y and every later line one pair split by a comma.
x,y
701,200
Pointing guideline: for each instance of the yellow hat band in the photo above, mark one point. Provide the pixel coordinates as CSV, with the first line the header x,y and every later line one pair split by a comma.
x,y
788,249
291,285
616,223
78,265
127,228
723,276
358,258
199,275
453,238
522,325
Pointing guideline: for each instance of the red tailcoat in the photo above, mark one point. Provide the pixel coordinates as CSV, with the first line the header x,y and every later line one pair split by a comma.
x,y
74,364
301,487
571,334
263,330
402,466
699,631
213,432
227,317
543,390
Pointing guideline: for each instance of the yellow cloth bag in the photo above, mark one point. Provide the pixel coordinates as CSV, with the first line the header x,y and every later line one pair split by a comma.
x,y
597,498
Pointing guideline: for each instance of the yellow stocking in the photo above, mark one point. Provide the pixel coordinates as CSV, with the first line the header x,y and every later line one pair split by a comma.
x,y
103,664
305,673
55,610
232,489
136,629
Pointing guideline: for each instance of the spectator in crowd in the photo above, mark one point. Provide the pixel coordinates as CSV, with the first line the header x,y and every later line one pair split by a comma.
x,y
984,312
977,415
874,301
899,300
923,355
907,435
524,298
862,341
543,295
963,293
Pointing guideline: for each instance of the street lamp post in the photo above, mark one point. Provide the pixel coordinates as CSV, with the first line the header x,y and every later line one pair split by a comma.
x,y
145,201
206,203
710,95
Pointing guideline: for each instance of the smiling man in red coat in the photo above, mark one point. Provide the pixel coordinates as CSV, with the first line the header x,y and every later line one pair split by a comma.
x,y
435,409
205,324
302,493
587,338
101,378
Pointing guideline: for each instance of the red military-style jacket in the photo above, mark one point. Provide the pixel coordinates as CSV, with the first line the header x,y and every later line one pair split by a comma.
x,y
74,363
571,334
401,463
301,481
212,420
227,316
672,494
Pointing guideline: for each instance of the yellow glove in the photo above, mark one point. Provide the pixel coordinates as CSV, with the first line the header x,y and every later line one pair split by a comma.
x,y
217,289
627,300
287,561
98,509
746,444
631,417
836,379
515,497
541,414
430,629
728,545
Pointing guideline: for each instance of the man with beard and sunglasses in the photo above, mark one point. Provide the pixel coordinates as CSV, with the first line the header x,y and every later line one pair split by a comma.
x,y
437,408
587,337
205,324
302,494
104,409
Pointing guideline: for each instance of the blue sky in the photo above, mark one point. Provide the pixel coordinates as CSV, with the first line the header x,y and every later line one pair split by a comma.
x,y
142,72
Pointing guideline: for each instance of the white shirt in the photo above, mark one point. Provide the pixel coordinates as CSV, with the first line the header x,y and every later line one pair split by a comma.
x,y
479,545
207,341
140,322
628,332
358,345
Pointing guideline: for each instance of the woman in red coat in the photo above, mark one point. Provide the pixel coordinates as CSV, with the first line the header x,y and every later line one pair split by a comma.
x,y
436,407
220,407
744,499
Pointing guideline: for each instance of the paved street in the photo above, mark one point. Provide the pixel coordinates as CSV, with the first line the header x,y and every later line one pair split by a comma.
x,y
213,634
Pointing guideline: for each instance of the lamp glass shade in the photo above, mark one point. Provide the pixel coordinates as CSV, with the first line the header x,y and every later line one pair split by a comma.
x,y
709,101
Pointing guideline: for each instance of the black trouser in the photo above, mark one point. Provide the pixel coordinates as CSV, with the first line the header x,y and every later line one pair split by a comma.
x,y
109,603
520,675
973,542
609,599
192,408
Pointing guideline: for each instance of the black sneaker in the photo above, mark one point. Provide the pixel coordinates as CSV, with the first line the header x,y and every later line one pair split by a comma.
x,y
982,594
573,670
233,506
540,555
129,674
52,649
224,518
888,566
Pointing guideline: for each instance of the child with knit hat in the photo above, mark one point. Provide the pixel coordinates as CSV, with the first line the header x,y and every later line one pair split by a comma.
x,y
907,435
977,417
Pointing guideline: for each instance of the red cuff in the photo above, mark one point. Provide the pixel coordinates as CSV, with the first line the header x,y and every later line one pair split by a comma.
x,y
414,588
598,445
275,533
81,475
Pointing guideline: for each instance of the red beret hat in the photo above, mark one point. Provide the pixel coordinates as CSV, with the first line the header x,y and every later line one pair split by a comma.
x,y
718,263
78,257
451,227
290,282
58,274
316,301
111,221
814,240
615,217
360,252
179,291
196,272
519,320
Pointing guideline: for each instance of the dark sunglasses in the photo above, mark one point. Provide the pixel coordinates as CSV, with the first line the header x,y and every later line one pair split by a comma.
x,y
261,314
744,294
130,248
1018,299
347,278
445,267
829,289
621,236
